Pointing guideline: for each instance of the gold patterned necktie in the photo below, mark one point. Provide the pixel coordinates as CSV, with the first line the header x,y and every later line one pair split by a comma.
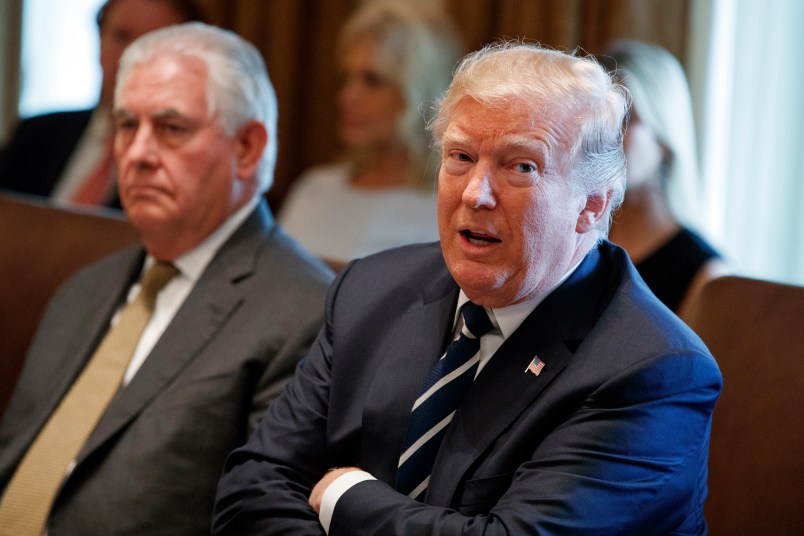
x,y
29,496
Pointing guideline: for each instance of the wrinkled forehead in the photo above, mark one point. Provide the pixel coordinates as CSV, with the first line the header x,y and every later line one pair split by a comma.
x,y
513,121
167,68
170,81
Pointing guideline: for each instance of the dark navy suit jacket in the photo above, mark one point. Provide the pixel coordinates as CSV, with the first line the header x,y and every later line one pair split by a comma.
x,y
37,154
33,161
611,438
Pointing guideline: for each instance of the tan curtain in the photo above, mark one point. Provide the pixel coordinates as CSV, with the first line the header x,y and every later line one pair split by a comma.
x,y
296,38
10,36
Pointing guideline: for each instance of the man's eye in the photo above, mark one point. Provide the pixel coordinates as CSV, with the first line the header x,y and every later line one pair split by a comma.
x,y
463,157
172,128
125,125
526,168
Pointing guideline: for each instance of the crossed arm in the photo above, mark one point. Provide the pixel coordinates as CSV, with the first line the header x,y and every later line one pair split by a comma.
x,y
626,457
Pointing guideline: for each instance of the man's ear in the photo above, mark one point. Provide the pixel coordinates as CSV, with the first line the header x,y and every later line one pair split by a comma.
x,y
595,208
252,138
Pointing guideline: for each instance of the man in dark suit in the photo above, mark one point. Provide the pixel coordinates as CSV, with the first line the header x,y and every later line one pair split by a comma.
x,y
196,122
588,404
54,154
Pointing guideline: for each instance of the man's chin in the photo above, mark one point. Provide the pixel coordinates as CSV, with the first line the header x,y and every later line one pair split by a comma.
x,y
146,216
483,283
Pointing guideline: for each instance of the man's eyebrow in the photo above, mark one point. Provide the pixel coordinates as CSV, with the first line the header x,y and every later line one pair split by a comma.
x,y
122,113
170,113
521,141
455,137
167,113
513,140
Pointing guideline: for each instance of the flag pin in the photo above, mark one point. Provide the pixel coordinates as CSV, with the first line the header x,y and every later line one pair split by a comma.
x,y
535,366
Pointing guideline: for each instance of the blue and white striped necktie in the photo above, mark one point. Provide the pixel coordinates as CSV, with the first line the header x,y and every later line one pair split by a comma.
x,y
438,401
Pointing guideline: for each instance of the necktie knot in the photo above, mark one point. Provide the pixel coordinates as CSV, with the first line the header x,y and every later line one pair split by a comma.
x,y
155,279
476,319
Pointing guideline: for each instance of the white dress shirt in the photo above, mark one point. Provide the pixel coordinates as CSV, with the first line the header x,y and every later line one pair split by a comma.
x,y
191,265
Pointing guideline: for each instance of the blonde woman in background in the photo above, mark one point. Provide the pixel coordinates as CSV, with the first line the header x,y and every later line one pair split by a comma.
x,y
397,58
656,221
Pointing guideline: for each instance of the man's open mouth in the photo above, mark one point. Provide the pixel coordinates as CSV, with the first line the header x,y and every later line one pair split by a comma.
x,y
477,238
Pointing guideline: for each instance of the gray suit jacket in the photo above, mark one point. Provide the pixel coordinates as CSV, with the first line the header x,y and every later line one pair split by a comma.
x,y
152,463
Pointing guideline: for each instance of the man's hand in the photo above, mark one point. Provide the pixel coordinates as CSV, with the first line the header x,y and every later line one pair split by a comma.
x,y
323,484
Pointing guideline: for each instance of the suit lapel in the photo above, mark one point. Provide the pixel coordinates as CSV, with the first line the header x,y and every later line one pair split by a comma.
x,y
100,306
505,389
95,311
422,331
210,303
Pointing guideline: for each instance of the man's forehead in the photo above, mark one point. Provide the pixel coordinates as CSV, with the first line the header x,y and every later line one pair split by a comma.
x,y
174,79
163,70
514,125
500,137
515,113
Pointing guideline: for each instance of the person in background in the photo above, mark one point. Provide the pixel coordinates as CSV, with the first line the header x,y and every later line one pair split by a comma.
x,y
661,209
397,58
67,156
133,393
571,402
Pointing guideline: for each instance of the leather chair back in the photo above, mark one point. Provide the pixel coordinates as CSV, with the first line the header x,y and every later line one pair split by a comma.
x,y
755,330
40,246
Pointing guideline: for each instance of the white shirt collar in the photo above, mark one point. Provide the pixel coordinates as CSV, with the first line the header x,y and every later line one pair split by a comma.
x,y
193,263
508,319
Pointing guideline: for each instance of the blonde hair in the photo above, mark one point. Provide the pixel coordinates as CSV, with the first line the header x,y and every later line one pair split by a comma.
x,y
661,97
418,46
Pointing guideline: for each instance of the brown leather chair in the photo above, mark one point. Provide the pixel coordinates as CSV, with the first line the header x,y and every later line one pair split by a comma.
x,y
755,330
40,246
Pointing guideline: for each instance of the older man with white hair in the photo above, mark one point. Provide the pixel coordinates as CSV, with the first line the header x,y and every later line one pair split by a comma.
x,y
151,365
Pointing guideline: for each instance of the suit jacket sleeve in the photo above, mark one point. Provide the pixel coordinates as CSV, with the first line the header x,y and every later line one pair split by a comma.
x,y
266,482
619,464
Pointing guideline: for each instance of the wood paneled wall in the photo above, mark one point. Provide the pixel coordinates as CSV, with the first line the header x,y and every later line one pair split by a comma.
x,y
297,40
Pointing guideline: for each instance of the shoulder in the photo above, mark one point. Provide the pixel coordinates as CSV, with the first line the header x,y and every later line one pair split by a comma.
x,y
284,261
316,189
333,175
117,266
91,287
75,119
260,250
393,277
695,244
56,130
636,327
413,262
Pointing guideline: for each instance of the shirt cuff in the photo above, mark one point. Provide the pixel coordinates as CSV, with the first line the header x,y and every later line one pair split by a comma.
x,y
339,486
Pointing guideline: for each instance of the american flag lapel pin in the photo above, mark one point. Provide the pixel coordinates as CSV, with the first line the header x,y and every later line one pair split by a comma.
x,y
535,366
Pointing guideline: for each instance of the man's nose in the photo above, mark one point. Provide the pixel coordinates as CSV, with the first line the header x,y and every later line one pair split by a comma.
x,y
479,191
142,147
